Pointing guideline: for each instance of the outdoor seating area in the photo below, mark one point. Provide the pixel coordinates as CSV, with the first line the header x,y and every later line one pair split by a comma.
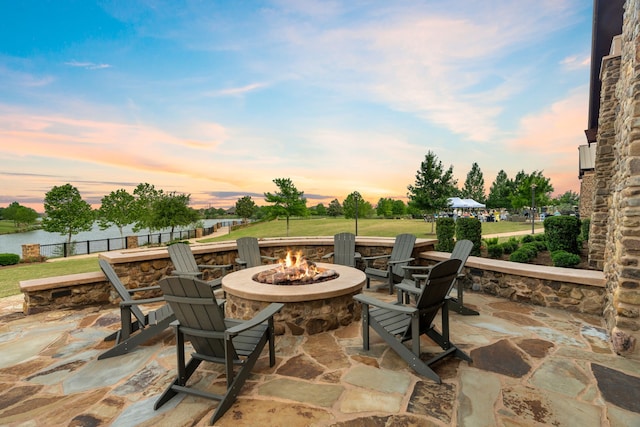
x,y
532,365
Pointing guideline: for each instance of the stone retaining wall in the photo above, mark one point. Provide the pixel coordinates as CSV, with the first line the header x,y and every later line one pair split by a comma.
x,y
146,266
570,289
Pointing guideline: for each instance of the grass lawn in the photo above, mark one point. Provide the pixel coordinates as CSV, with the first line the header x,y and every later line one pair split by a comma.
x,y
11,276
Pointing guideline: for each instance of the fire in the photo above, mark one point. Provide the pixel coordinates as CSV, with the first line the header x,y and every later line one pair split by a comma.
x,y
295,270
296,267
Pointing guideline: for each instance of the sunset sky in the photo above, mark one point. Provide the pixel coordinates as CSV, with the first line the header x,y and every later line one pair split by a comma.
x,y
217,99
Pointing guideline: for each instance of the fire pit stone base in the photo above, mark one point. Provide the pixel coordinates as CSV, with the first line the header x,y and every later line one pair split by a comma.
x,y
305,317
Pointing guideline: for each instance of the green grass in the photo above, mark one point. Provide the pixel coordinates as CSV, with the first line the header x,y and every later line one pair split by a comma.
x,y
8,227
11,276
366,227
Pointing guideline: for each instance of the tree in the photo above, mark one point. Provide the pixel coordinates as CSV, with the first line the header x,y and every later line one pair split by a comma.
x,y
66,213
320,210
433,186
172,210
500,192
146,195
474,185
245,208
335,208
523,192
399,208
349,206
567,198
384,207
287,201
117,208
21,216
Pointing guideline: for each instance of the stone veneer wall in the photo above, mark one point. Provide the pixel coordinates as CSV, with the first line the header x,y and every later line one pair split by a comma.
x,y
622,247
587,193
604,162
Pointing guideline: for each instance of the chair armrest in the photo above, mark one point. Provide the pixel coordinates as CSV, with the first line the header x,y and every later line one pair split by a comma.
x,y
368,258
269,258
241,262
212,266
399,261
417,267
357,255
262,316
409,288
329,255
146,288
186,273
365,299
140,301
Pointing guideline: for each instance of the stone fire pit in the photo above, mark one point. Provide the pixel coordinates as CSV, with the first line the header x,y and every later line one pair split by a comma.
x,y
310,308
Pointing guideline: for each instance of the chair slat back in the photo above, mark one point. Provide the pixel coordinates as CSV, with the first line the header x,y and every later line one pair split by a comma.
x,y
437,287
344,249
123,293
196,307
461,251
249,251
402,249
182,257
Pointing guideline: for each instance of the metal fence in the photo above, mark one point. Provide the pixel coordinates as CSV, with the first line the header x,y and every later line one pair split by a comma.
x,y
58,250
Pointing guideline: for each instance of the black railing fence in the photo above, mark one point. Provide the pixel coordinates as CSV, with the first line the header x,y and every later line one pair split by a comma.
x,y
57,250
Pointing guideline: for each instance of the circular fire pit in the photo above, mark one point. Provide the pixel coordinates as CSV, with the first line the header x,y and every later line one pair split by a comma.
x,y
309,308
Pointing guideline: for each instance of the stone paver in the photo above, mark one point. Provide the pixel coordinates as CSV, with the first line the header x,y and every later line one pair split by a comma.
x,y
532,366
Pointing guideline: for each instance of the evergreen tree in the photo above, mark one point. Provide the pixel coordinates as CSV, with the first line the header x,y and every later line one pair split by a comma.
x,y
433,186
500,192
474,185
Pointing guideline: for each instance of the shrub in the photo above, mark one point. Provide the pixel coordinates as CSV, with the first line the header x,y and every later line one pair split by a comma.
x,y
509,247
9,259
531,248
527,238
495,251
445,231
562,233
470,229
584,229
490,241
540,237
520,256
540,245
564,259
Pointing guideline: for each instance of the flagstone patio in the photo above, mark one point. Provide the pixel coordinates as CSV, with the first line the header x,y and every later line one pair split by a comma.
x,y
532,366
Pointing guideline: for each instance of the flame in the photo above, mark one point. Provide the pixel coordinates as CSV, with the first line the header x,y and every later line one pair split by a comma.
x,y
295,267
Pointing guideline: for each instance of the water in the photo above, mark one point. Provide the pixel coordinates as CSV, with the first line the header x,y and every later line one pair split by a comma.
x,y
12,243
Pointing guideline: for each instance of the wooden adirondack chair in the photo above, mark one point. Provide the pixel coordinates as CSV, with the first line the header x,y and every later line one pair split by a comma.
x,y
146,325
214,339
400,256
185,264
249,253
461,251
344,250
397,323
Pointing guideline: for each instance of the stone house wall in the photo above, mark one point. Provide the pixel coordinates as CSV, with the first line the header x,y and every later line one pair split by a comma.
x,y
619,157
587,193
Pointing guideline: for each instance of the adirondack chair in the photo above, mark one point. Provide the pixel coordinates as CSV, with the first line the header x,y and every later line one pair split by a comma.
x,y
185,264
146,325
461,251
344,250
214,339
400,256
249,253
397,323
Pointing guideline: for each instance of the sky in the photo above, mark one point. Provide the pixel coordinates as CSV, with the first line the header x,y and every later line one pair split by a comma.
x,y
216,99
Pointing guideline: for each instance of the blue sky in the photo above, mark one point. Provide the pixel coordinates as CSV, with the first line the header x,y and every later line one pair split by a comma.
x,y
217,99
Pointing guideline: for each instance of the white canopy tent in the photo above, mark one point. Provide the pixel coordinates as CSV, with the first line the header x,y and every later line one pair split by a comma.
x,y
458,203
